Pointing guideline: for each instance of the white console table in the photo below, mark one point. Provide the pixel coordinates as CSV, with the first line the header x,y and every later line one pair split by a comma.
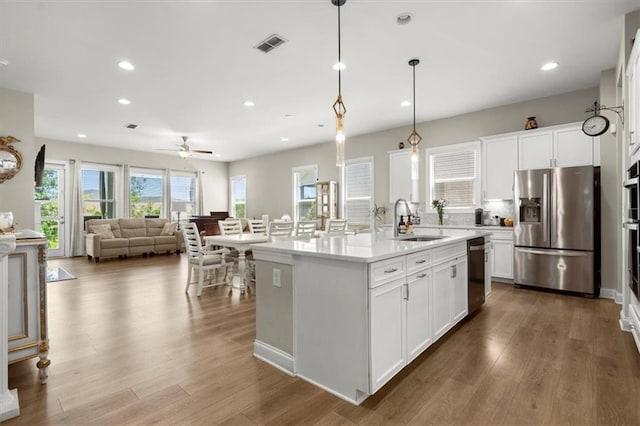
x,y
9,406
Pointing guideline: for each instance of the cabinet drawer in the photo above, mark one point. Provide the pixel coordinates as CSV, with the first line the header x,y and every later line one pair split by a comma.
x,y
442,254
502,235
386,270
418,261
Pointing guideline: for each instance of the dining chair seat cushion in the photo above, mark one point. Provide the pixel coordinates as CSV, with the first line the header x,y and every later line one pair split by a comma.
x,y
208,259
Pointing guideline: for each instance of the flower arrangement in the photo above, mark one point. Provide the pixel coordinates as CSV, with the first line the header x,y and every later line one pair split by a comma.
x,y
438,205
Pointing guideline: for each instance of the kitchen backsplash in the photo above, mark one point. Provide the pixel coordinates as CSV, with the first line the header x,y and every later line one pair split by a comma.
x,y
429,217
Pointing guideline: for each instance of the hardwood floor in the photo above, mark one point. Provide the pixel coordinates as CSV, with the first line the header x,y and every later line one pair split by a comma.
x,y
129,347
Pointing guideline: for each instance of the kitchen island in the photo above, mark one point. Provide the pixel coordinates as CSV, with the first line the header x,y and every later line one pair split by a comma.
x,y
347,313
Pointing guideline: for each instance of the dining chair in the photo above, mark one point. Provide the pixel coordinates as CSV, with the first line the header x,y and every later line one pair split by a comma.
x,y
280,229
257,226
305,228
230,226
200,259
336,226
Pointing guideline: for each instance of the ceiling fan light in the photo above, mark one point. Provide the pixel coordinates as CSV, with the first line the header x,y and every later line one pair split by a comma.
x,y
184,154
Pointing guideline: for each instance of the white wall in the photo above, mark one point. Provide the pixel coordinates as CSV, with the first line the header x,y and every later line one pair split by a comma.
x,y
269,187
16,119
214,173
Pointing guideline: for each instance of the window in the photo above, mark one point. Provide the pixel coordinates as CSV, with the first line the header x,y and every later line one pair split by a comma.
x,y
238,197
99,191
454,175
304,193
358,191
145,190
183,195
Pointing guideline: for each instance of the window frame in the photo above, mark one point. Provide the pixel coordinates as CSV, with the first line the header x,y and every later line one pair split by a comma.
x,y
195,201
295,188
163,196
117,173
356,161
232,201
477,184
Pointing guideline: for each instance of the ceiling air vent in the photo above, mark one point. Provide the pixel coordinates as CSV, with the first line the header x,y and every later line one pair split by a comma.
x,y
270,43
131,126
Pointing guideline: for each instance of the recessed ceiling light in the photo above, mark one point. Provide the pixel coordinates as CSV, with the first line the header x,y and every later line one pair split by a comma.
x,y
405,103
249,103
288,116
339,66
3,62
284,139
124,101
320,125
549,66
82,135
404,18
126,65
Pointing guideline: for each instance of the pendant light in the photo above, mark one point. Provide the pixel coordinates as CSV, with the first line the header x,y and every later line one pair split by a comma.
x,y
338,106
414,138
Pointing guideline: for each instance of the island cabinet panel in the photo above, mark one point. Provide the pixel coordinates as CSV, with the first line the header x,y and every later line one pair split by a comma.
x,y
419,333
460,292
442,300
388,338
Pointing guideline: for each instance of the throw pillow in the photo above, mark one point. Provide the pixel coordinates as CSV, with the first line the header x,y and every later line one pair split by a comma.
x,y
103,230
168,229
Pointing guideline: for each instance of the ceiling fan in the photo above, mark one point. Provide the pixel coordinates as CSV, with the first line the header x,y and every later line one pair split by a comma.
x,y
184,150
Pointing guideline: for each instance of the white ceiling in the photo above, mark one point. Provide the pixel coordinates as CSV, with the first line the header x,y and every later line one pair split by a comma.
x,y
196,65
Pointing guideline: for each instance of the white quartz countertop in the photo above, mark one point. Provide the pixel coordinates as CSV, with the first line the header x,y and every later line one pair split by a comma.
x,y
479,227
366,248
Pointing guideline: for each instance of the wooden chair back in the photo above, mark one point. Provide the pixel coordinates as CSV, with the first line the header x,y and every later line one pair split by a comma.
x,y
305,228
230,226
336,226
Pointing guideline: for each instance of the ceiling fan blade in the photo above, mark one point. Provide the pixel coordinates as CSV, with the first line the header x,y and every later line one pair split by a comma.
x,y
200,151
167,149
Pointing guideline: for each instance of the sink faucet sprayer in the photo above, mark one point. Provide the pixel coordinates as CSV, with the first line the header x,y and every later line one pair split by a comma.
x,y
395,214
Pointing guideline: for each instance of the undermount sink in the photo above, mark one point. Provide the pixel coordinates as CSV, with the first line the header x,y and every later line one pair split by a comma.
x,y
421,238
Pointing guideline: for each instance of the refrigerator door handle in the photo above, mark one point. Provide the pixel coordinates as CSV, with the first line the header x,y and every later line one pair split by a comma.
x,y
556,252
545,207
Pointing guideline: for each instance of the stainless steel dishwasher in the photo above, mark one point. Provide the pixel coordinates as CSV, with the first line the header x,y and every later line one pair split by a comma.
x,y
476,262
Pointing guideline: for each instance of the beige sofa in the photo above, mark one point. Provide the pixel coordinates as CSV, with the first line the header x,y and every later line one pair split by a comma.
x,y
130,237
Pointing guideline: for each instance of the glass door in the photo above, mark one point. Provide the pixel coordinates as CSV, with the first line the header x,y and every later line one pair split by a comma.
x,y
50,209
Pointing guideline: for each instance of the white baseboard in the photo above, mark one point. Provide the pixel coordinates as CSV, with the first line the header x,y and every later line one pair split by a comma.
x,y
618,298
9,405
359,398
634,319
608,293
274,356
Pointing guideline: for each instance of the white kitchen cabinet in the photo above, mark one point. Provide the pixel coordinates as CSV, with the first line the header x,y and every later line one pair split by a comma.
x,y
557,146
419,334
400,314
459,285
388,318
535,150
633,97
499,160
400,183
502,255
487,270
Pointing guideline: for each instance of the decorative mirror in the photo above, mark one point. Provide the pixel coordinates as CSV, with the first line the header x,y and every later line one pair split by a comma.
x,y
10,158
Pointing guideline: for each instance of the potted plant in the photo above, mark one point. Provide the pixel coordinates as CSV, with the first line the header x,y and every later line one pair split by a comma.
x,y
378,213
438,205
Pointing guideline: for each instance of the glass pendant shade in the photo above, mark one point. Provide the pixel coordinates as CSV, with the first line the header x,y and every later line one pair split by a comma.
x,y
338,106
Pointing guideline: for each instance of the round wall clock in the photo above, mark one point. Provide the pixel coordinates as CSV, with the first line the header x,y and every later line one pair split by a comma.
x,y
595,125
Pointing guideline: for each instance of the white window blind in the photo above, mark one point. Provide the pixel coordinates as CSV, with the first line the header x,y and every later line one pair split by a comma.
x,y
358,191
453,177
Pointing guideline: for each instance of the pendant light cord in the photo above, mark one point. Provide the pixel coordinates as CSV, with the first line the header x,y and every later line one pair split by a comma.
x,y
339,55
414,97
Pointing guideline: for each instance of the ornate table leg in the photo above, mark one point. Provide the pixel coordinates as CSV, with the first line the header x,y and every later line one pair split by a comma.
x,y
43,363
241,267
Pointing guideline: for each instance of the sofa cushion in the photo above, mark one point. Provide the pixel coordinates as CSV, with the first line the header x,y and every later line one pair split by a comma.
x,y
165,239
114,243
168,229
140,241
132,228
103,230
155,226
115,226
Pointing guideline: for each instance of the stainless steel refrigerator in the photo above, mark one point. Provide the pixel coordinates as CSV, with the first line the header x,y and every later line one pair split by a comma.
x,y
557,229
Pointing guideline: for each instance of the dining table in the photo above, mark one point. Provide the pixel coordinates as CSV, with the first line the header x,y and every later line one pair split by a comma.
x,y
241,243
